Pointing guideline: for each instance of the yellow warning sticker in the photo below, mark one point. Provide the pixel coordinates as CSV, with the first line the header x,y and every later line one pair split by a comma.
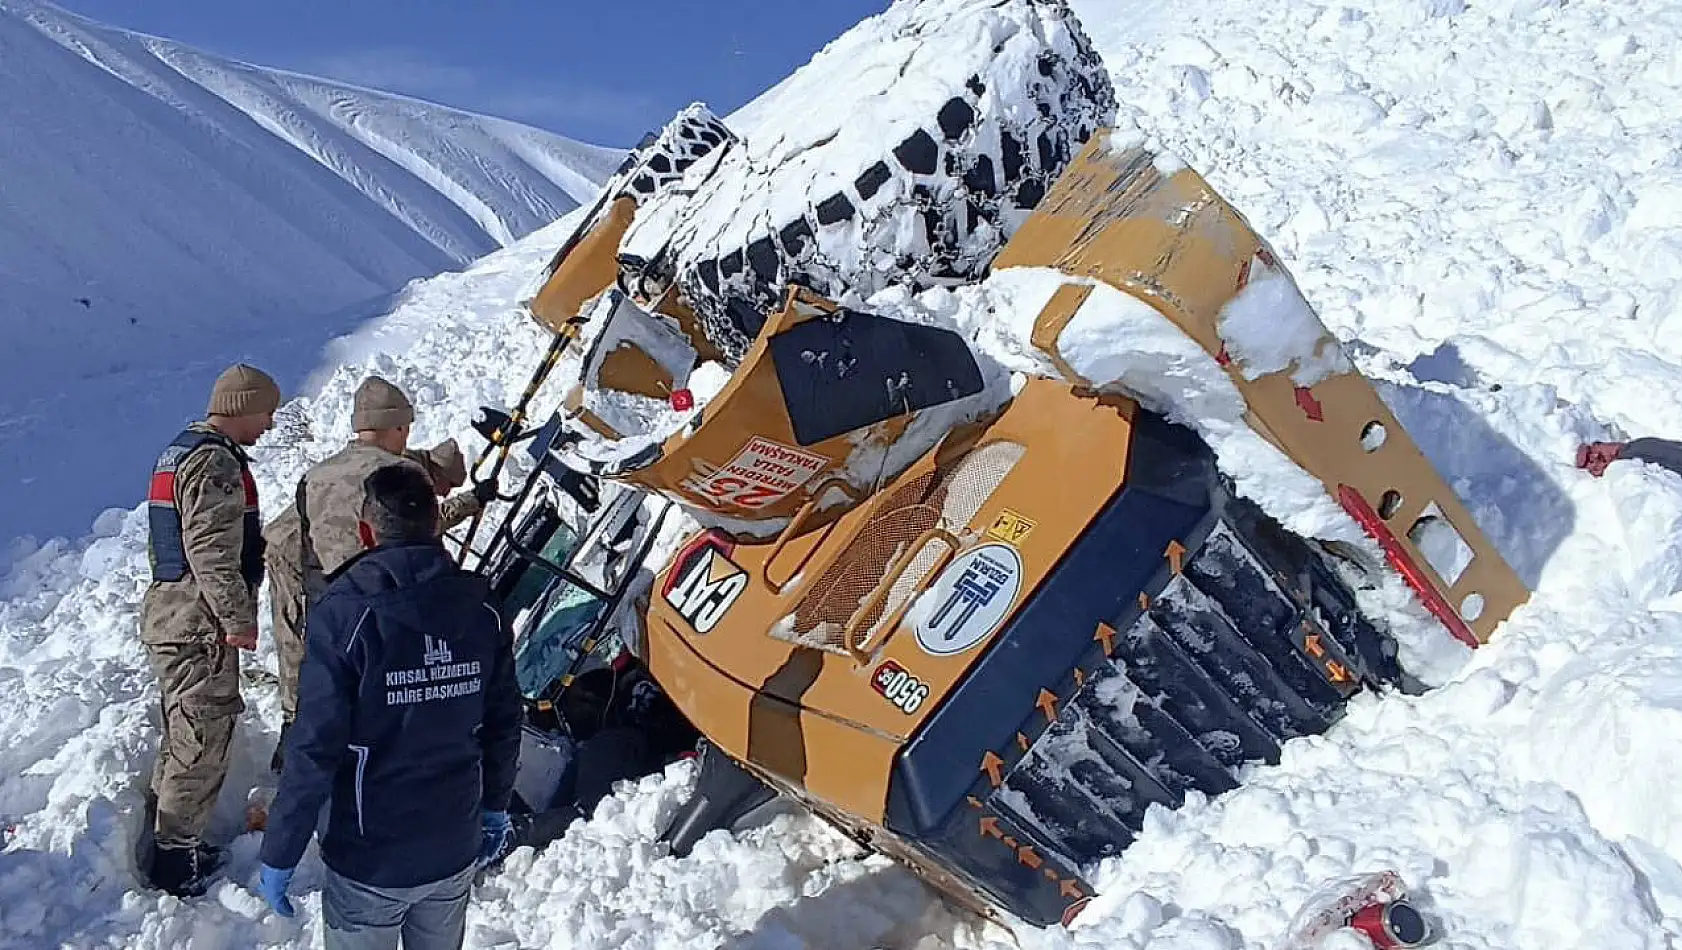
x,y
1010,527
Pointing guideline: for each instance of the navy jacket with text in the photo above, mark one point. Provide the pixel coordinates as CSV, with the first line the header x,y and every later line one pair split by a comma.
x,y
408,721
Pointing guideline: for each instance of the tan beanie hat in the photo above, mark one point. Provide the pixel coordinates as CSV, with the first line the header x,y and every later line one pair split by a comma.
x,y
423,458
243,390
380,405
446,457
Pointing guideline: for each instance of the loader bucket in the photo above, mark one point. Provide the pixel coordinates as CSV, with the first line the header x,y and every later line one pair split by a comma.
x,y
1137,221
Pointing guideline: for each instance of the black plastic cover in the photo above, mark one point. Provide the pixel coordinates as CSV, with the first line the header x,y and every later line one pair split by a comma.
x,y
853,369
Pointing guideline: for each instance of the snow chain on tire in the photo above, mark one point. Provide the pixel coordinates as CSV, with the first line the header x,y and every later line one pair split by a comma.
x,y
934,210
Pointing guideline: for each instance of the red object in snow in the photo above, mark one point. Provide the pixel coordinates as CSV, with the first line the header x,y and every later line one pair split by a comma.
x,y
1374,903
1392,925
683,400
1595,456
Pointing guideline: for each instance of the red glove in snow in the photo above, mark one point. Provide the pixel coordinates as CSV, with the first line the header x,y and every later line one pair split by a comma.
x,y
1595,456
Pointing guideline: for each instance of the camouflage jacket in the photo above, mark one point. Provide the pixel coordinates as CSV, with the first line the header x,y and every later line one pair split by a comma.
x,y
329,500
453,510
283,535
456,509
215,598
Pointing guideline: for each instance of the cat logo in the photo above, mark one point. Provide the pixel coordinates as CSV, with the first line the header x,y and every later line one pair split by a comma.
x,y
709,585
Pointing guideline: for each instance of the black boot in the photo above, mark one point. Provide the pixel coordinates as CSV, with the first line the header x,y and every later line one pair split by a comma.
x,y
210,858
537,830
279,757
180,871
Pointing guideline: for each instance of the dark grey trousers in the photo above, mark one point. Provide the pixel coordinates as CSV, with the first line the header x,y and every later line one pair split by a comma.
x,y
429,917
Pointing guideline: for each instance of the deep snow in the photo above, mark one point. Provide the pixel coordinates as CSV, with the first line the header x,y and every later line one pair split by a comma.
x,y
1480,205
164,212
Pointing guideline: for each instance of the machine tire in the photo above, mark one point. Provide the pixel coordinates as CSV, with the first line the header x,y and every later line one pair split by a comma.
x,y
933,209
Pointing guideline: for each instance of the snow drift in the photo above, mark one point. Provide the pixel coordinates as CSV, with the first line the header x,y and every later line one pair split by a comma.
x,y
1410,162
163,212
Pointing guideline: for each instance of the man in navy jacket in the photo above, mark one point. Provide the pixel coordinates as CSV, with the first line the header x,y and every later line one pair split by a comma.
x,y
408,725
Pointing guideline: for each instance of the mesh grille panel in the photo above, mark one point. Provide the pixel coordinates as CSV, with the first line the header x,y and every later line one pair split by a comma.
x,y
907,583
974,479
852,579
947,499
819,618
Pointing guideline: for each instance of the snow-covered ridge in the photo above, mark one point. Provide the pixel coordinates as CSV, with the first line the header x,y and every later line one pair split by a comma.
x,y
505,178
164,211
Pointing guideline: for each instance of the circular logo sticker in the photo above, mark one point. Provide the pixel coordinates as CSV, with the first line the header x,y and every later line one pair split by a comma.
x,y
970,599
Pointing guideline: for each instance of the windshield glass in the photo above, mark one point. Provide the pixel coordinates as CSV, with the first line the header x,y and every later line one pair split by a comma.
x,y
547,650
534,579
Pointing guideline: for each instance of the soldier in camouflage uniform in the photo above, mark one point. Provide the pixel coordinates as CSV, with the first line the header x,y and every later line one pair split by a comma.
x,y
444,464
449,472
206,551
319,530
329,496
286,611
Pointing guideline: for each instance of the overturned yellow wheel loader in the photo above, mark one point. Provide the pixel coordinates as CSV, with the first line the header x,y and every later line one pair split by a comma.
x,y
981,622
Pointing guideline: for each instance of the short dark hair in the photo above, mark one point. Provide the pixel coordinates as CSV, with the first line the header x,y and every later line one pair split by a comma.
x,y
399,504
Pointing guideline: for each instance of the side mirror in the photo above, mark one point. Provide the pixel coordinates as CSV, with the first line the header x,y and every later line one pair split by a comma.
x,y
489,420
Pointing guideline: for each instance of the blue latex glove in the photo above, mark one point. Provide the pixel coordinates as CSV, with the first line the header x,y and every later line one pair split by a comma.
x,y
497,828
272,884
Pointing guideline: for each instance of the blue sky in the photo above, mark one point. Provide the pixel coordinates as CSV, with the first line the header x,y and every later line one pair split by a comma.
x,y
605,72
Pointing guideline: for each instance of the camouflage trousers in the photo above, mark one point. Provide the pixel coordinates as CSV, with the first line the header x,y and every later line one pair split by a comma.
x,y
286,602
199,682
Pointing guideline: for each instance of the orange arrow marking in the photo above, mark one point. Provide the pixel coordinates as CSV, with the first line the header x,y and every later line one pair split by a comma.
x,y
1144,601
1106,636
1022,741
1070,889
1175,552
1311,643
973,801
1048,704
1050,874
1009,841
990,827
994,767
1027,856
1339,674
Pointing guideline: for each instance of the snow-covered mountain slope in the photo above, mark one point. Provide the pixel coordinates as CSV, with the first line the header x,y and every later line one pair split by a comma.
x,y
163,212
1420,174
